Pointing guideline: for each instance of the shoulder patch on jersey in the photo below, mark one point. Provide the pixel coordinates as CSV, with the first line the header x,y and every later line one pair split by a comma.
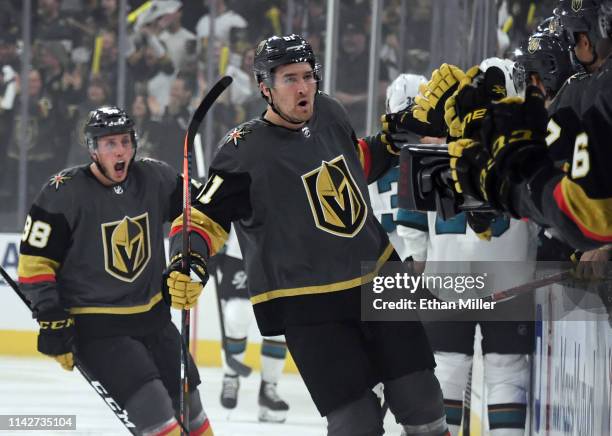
x,y
59,179
237,134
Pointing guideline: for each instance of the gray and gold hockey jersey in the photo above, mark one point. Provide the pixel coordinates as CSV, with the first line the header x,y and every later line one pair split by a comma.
x,y
299,201
97,251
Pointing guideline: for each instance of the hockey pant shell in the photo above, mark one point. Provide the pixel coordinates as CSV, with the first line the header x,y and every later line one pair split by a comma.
x,y
340,361
122,364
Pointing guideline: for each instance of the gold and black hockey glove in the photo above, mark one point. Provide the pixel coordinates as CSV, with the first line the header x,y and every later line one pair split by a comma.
x,y
468,164
465,110
511,149
404,122
179,289
429,104
56,336
514,133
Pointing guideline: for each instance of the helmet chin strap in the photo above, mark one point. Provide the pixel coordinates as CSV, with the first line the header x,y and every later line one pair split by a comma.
x,y
277,111
105,174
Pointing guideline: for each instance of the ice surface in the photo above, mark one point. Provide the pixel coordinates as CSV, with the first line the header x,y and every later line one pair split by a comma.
x,y
39,386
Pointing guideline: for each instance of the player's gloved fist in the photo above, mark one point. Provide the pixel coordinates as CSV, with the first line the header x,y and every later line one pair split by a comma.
x,y
395,141
179,289
56,335
404,121
514,133
468,164
465,110
429,104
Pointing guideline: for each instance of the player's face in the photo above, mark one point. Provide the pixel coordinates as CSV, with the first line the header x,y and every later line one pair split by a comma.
x,y
114,154
584,51
294,89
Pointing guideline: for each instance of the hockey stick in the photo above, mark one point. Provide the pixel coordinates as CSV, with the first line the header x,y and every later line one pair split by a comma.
x,y
192,130
237,366
508,294
466,410
95,384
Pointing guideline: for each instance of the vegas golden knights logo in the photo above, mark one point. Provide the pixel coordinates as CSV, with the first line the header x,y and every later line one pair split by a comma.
x,y
127,247
576,5
337,204
533,45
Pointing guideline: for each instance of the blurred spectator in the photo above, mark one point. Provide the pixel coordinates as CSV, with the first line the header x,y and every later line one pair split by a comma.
x,y
224,21
147,55
10,16
193,10
50,24
105,68
61,79
352,74
8,91
146,128
175,120
245,90
106,15
97,94
45,152
148,58
180,43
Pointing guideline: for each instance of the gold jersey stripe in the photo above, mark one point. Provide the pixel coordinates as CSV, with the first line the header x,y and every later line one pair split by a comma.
x,y
323,289
32,266
118,310
200,221
592,215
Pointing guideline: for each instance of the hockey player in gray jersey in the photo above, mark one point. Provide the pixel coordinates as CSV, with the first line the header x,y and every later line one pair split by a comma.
x,y
91,263
294,183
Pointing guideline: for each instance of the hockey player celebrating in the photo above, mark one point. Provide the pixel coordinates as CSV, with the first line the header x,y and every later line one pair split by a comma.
x,y
294,182
520,176
91,262
231,280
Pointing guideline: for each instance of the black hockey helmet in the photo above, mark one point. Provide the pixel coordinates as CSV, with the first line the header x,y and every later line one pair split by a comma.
x,y
550,24
108,120
549,56
579,16
282,50
605,19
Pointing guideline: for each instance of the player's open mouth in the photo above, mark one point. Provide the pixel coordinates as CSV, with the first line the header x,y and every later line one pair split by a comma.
x,y
120,167
303,103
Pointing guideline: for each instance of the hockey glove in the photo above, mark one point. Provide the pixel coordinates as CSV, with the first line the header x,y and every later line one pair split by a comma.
x,y
179,289
514,133
465,110
404,121
56,335
468,166
432,98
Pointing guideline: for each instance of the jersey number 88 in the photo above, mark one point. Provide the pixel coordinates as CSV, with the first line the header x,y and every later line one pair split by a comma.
x,y
36,233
